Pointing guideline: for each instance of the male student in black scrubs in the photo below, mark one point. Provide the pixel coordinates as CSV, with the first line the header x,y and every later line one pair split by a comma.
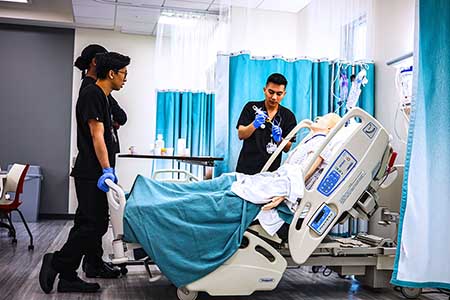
x,y
263,131
94,164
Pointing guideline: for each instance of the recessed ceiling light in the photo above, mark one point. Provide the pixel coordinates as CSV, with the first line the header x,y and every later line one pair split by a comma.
x,y
16,1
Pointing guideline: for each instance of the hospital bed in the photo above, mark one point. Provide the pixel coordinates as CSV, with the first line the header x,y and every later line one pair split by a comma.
x,y
361,161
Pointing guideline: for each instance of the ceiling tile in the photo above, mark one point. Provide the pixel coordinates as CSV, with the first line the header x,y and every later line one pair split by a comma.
x,y
95,22
83,2
187,4
145,2
245,3
293,6
201,1
140,28
91,3
93,10
131,14
214,7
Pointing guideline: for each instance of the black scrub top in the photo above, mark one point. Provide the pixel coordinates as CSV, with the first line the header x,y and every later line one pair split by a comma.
x,y
93,104
118,114
254,154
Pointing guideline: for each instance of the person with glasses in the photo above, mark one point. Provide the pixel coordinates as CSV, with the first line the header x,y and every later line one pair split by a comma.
x,y
262,126
86,64
94,164
94,266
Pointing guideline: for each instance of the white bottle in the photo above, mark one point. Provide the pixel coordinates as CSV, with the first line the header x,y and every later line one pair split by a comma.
x,y
181,146
159,144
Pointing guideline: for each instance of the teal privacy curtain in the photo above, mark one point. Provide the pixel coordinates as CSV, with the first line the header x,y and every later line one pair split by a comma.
x,y
187,115
310,92
422,258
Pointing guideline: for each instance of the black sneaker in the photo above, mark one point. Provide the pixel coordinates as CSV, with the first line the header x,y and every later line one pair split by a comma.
x,y
47,274
77,285
104,271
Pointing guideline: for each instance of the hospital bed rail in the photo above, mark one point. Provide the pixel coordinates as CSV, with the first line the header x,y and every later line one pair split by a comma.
x,y
180,175
116,202
355,166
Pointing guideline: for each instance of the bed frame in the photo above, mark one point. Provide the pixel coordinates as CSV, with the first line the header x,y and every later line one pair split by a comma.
x,y
347,187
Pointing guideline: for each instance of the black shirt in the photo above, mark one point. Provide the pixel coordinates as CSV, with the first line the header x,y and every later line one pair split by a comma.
x,y
118,114
92,104
254,153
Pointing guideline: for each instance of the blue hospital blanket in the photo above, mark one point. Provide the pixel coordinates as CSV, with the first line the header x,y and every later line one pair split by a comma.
x,y
188,229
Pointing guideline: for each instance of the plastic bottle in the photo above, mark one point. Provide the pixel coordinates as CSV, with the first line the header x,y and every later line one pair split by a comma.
x,y
159,144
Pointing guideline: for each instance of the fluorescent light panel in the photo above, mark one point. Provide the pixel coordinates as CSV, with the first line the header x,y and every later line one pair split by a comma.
x,y
15,1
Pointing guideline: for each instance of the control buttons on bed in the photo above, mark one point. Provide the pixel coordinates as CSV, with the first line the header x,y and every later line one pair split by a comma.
x,y
336,173
329,182
322,219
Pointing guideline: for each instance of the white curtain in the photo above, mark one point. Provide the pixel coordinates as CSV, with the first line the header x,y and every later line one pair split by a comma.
x,y
341,29
335,29
187,43
186,50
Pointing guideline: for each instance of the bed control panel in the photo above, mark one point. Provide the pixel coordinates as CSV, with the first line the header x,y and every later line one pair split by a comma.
x,y
337,172
322,219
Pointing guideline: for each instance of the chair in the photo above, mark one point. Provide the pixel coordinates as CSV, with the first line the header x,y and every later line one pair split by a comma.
x,y
14,184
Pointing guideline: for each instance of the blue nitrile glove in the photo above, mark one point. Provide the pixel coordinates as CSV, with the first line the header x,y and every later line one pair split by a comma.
x,y
259,120
108,173
276,133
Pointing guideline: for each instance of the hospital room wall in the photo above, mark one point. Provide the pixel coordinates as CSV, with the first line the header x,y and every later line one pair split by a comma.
x,y
137,98
394,37
35,90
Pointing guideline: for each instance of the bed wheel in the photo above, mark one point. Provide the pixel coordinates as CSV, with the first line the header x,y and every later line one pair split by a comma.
x,y
327,272
410,293
123,270
315,269
185,294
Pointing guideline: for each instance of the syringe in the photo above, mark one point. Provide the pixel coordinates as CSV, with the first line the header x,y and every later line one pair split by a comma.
x,y
260,111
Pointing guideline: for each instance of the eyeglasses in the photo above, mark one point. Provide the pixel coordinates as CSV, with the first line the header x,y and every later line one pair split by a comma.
x,y
125,73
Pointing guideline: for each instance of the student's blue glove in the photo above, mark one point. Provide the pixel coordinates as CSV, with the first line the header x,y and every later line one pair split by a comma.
x,y
276,133
108,173
259,120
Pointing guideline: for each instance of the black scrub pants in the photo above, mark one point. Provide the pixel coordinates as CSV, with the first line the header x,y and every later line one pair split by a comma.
x,y
85,237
